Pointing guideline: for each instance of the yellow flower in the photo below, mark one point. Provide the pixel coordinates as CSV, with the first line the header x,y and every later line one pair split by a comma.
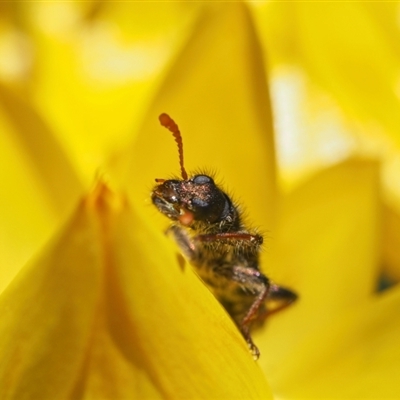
x,y
107,309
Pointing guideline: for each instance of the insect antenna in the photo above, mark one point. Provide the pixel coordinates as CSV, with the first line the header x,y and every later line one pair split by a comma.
x,y
170,124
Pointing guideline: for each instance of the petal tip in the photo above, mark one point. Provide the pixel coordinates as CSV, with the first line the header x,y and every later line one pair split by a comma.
x,y
102,198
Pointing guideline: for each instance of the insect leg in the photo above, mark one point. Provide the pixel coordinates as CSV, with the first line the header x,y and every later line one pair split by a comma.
x,y
183,241
254,281
278,299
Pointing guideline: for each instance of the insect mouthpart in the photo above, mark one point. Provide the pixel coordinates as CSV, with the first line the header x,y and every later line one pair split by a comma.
x,y
167,198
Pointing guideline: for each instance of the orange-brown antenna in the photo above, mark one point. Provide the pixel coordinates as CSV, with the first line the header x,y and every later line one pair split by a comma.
x,y
170,124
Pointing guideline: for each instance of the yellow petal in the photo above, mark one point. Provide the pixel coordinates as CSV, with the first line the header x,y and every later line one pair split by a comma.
x,y
358,352
106,312
330,229
39,183
342,98
360,67
48,314
216,92
327,249
95,76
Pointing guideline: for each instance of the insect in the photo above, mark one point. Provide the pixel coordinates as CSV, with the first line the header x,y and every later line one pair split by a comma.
x,y
209,230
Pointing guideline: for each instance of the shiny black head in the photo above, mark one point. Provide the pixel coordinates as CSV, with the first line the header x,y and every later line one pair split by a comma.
x,y
197,199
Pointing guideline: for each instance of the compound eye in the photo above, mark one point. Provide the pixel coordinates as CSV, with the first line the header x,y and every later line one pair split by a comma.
x,y
199,203
202,179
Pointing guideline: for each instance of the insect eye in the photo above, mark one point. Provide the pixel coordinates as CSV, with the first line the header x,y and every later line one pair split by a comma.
x,y
202,179
199,203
